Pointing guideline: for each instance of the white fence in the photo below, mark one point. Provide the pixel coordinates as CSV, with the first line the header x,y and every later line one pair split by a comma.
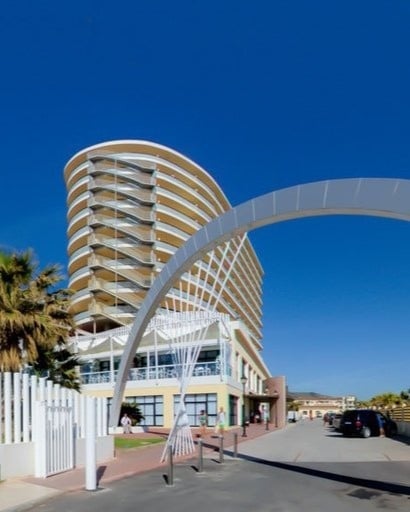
x,y
54,439
47,419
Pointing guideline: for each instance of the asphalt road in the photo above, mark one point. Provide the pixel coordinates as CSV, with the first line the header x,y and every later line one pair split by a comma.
x,y
305,467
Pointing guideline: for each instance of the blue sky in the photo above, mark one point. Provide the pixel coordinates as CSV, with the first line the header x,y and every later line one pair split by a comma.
x,y
263,95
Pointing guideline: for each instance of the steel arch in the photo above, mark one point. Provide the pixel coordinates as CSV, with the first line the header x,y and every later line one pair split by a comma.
x,y
380,197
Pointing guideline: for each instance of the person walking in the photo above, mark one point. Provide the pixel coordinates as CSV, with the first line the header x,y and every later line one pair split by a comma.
x,y
220,421
203,422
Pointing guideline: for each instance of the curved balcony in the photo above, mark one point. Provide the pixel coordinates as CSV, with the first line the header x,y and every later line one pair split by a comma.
x,y
142,195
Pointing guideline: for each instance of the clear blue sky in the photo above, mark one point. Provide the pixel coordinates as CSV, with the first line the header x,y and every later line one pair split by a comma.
x,y
263,95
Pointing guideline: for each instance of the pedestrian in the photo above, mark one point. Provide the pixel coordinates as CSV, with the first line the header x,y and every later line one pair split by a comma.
x,y
126,424
203,422
381,422
265,415
220,422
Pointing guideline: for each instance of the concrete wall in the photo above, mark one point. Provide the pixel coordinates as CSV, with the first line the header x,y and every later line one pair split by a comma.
x,y
105,450
17,460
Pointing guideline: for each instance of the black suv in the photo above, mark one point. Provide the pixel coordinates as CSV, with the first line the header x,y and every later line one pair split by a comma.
x,y
366,423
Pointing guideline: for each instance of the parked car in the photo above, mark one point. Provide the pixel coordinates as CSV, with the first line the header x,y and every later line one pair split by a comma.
x,y
337,418
292,416
366,423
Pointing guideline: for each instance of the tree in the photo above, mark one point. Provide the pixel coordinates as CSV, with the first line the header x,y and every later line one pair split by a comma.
x,y
386,400
34,318
293,405
363,404
60,365
405,396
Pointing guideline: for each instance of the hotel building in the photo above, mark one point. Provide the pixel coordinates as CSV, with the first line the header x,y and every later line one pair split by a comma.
x,y
131,205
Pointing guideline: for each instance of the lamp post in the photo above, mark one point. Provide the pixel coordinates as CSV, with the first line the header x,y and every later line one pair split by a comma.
x,y
243,382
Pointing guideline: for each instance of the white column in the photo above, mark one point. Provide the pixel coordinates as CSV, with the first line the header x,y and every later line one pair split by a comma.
x,y
42,389
90,448
112,371
76,405
26,408
82,416
99,417
34,384
49,392
104,417
40,441
1,401
7,407
57,394
63,396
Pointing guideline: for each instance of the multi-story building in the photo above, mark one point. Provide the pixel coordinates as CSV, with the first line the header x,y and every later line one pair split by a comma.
x,y
316,405
348,402
131,205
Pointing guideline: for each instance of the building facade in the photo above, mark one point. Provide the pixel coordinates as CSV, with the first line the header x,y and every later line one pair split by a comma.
x,y
131,205
315,405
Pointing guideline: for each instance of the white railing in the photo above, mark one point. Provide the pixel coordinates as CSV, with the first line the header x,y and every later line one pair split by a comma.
x,y
154,373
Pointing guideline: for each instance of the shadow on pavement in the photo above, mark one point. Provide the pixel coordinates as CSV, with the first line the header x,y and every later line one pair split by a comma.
x,y
100,473
359,482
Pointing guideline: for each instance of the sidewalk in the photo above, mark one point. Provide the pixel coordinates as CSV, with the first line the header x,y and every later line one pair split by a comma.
x,y
21,494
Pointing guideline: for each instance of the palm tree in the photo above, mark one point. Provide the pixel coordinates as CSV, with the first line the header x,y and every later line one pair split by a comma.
x,y
363,404
60,365
405,395
386,400
34,317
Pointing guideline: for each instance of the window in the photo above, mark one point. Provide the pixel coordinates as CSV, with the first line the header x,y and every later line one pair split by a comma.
x,y
151,407
194,405
207,356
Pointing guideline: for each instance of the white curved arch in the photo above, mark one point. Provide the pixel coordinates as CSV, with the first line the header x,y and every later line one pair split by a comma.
x,y
381,197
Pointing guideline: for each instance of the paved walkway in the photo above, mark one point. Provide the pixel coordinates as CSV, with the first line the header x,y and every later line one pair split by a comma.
x,y
20,494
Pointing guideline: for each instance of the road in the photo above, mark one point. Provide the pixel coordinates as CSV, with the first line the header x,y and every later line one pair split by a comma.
x,y
305,467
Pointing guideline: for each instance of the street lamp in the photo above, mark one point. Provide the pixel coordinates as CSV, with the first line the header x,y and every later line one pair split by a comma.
x,y
243,382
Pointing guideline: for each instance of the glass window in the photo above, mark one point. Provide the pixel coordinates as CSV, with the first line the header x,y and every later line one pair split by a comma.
x,y
195,404
151,407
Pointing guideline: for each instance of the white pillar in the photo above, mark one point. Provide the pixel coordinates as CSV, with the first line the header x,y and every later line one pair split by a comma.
x,y
63,396
26,408
50,392
82,416
40,441
90,446
99,417
57,394
34,383
112,372
42,389
1,401
76,406
7,407
104,418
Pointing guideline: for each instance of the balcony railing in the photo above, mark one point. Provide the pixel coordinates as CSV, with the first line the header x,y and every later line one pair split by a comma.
x,y
155,373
